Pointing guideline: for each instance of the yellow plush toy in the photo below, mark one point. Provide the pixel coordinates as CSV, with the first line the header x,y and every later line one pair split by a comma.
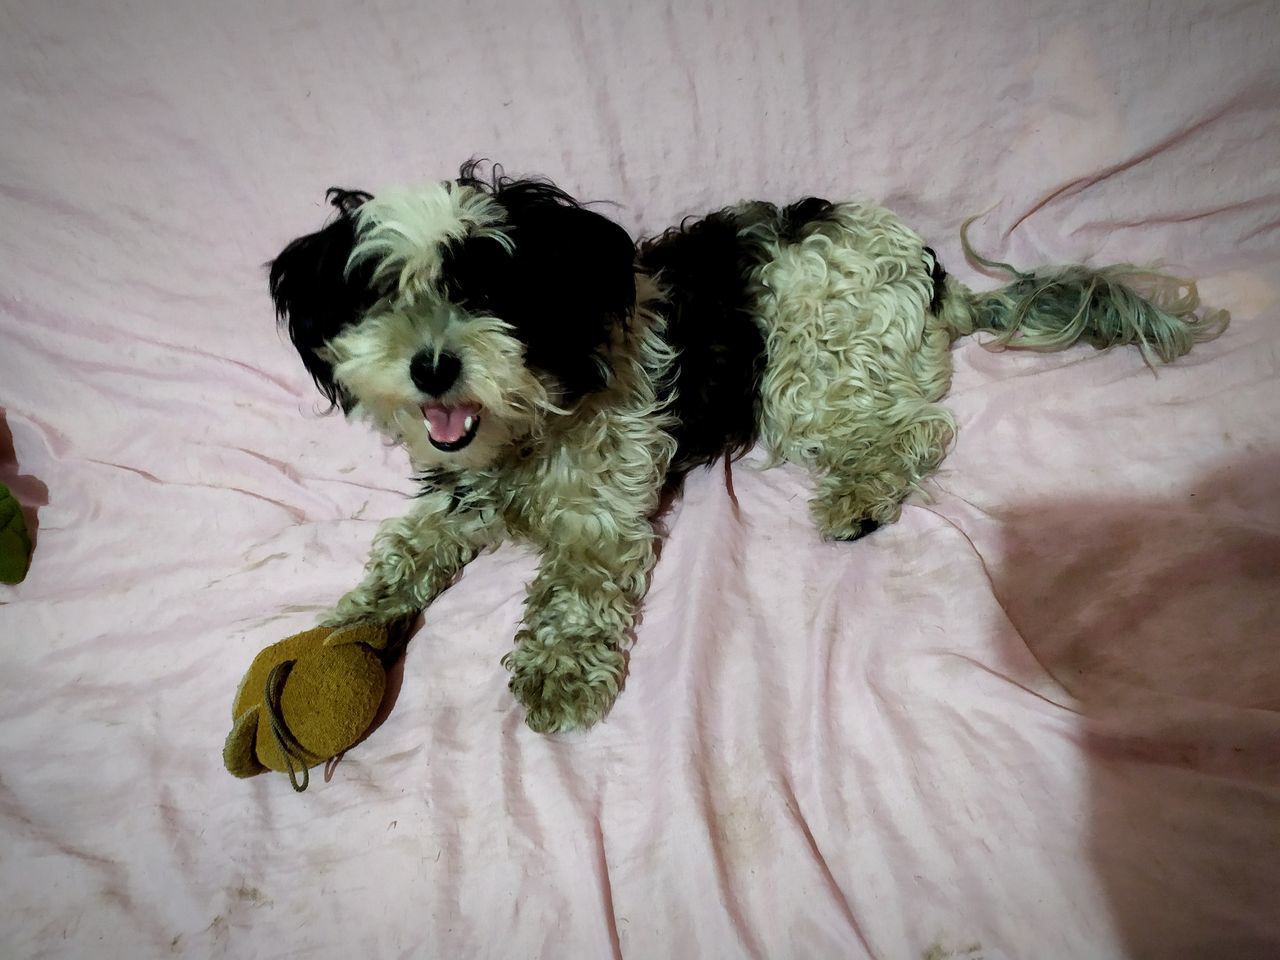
x,y
309,697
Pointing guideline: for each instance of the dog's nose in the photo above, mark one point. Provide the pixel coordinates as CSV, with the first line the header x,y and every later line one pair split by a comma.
x,y
434,375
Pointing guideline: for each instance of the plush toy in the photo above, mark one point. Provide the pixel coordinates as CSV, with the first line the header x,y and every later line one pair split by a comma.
x,y
309,697
15,545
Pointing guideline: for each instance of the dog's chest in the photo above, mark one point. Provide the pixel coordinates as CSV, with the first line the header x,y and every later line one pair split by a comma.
x,y
605,471
526,498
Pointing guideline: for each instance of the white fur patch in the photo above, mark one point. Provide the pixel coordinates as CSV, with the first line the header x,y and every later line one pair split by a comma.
x,y
405,231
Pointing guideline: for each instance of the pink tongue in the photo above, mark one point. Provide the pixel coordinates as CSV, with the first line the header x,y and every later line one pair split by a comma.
x,y
449,424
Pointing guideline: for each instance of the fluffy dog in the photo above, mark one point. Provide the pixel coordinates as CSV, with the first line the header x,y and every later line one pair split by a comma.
x,y
549,378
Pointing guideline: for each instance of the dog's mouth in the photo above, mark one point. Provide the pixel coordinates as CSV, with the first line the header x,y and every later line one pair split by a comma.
x,y
451,428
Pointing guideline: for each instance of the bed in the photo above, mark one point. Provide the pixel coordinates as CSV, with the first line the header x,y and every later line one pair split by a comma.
x,y
1035,718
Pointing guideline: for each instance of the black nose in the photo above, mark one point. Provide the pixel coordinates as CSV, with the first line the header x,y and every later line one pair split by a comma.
x,y
434,375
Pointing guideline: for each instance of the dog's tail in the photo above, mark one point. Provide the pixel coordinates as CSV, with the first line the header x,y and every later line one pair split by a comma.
x,y
1052,308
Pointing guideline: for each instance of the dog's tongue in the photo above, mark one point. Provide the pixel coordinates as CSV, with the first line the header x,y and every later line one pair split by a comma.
x,y
449,424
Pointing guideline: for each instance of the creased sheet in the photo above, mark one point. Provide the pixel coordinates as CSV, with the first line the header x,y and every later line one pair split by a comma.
x,y
1035,718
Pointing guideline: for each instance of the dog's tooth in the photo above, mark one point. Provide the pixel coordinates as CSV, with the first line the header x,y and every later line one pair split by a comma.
x,y
466,424
427,423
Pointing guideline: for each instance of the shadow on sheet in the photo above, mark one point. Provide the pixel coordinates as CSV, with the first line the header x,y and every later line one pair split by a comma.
x,y
1159,620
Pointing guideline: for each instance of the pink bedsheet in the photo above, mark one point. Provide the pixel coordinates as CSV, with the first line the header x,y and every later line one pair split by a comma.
x,y
1035,719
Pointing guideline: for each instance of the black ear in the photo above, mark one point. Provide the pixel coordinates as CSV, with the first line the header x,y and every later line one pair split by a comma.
x,y
567,281
314,295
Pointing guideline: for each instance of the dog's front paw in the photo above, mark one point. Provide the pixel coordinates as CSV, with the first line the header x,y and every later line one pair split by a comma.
x,y
565,687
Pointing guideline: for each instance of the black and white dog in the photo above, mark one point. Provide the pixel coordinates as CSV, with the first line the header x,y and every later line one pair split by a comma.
x,y
549,378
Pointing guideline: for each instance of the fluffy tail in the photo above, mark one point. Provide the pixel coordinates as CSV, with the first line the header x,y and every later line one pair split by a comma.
x,y
1053,308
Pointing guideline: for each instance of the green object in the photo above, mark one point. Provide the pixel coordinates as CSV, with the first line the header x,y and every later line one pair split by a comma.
x,y
15,544
308,698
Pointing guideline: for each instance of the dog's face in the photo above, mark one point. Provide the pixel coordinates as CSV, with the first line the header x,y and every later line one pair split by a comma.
x,y
457,316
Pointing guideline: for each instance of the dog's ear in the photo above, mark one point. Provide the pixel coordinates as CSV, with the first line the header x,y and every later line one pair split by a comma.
x,y
315,295
564,282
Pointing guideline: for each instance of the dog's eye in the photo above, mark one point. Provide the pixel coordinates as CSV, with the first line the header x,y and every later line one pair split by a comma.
x,y
472,270
467,295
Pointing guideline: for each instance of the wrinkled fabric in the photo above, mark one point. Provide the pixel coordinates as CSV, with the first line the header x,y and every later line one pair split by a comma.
x,y
1034,718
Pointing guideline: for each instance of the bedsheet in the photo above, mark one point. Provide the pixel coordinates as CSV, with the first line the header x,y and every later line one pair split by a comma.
x,y
1035,718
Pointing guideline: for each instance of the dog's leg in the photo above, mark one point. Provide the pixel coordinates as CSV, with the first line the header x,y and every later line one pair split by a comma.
x,y
568,663
858,358
865,477
413,559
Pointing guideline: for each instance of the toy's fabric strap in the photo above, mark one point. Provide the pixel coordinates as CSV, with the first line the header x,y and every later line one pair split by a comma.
x,y
290,749
387,639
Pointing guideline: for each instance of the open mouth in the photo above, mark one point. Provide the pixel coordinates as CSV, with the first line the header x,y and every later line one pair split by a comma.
x,y
451,428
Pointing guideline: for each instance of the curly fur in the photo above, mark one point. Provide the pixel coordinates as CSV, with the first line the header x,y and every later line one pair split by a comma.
x,y
857,365
593,373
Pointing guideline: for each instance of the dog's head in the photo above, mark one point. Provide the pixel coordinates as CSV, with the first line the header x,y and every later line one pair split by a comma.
x,y
459,315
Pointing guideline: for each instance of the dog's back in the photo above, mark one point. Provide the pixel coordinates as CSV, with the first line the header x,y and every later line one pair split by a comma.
x,y
823,331
708,269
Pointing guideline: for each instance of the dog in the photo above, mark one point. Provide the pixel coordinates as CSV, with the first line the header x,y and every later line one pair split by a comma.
x,y
550,379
